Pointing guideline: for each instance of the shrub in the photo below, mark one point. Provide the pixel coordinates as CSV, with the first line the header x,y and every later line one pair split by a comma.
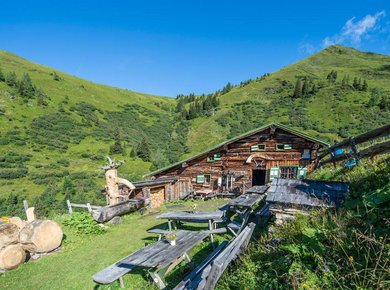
x,y
83,223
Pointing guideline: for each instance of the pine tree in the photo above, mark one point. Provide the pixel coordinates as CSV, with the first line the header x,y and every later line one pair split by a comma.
x,y
314,89
305,89
41,98
143,150
116,148
2,77
298,89
68,188
11,79
26,88
365,86
355,83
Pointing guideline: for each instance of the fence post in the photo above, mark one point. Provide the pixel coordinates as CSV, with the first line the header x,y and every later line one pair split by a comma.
x,y
69,206
25,205
89,207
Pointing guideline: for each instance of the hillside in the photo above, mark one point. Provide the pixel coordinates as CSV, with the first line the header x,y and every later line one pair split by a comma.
x,y
58,128
332,107
55,129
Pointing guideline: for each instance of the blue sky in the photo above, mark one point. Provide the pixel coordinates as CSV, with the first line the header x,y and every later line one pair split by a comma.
x,y
171,47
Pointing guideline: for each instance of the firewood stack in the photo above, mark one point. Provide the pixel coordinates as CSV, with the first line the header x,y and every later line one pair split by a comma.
x,y
18,237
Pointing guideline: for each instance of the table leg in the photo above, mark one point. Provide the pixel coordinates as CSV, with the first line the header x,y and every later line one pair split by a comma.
x,y
121,283
169,225
211,228
157,279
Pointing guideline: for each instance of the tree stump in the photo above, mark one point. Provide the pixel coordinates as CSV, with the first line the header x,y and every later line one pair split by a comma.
x,y
41,236
9,234
11,257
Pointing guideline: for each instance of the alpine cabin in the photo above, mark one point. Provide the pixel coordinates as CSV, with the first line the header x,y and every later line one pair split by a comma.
x,y
254,158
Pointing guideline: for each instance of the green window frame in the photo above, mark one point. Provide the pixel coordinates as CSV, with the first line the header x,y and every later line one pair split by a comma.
x,y
200,178
217,156
279,147
273,173
258,147
207,178
302,171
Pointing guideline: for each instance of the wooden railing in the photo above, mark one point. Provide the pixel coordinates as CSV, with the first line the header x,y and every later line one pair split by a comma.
x,y
377,146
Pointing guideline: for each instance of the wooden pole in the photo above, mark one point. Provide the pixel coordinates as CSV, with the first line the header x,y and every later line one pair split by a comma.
x,y
25,205
69,206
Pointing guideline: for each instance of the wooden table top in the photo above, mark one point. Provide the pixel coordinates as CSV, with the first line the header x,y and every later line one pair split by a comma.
x,y
247,200
162,254
185,215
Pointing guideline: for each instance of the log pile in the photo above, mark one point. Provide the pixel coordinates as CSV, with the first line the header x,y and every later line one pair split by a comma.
x,y
19,238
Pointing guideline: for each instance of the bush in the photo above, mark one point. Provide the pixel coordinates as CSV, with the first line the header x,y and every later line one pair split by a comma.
x,y
83,223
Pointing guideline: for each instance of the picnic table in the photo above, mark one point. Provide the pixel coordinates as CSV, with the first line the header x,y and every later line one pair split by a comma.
x,y
247,201
160,258
194,217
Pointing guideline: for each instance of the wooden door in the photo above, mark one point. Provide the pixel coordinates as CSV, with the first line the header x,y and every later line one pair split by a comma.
x,y
157,196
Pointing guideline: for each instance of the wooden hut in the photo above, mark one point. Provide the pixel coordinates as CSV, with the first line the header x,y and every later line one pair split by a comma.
x,y
251,159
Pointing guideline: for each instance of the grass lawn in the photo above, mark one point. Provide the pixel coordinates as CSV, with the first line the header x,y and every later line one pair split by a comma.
x,y
83,256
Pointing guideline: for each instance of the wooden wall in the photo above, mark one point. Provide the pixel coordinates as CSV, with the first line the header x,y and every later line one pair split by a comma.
x,y
234,157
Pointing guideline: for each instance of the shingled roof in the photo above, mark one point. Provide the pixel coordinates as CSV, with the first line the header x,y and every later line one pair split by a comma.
x,y
306,193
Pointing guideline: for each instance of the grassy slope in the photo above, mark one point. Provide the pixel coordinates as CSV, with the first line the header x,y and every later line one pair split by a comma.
x,y
343,249
19,116
324,108
73,267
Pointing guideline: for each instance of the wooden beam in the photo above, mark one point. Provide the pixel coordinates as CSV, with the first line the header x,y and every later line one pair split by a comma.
x,y
379,132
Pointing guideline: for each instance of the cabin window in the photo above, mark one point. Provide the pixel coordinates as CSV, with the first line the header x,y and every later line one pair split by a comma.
x,y
200,179
273,173
282,147
258,147
279,147
207,179
302,172
306,154
215,157
288,172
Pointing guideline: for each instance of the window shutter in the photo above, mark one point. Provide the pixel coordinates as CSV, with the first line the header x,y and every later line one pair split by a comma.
x,y
302,172
200,179
287,146
255,148
274,173
217,157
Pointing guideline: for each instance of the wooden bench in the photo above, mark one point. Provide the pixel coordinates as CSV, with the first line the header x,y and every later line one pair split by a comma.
x,y
206,275
236,227
159,232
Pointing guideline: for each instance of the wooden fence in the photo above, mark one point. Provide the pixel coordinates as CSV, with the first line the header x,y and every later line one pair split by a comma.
x,y
78,205
376,137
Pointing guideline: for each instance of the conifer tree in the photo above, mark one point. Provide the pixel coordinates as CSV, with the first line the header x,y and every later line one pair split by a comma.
x,y
116,148
365,86
26,88
143,150
11,79
2,77
305,88
298,89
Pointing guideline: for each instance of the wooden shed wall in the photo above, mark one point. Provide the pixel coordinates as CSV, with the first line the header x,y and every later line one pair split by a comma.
x,y
234,157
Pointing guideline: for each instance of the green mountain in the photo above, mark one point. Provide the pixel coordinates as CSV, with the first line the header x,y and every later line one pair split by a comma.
x,y
330,108
55,129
